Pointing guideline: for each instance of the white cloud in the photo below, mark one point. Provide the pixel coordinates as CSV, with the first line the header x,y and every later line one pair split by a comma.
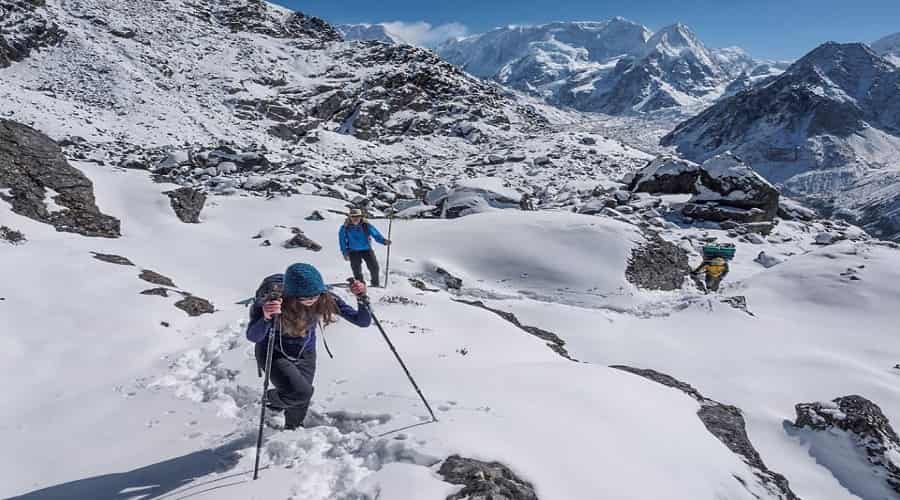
x,y
424,34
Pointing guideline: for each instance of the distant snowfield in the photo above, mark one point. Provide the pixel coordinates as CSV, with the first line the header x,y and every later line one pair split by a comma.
x,y
105,402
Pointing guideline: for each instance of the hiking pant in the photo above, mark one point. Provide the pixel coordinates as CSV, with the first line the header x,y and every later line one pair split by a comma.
x,y
293,381
712,283
356,258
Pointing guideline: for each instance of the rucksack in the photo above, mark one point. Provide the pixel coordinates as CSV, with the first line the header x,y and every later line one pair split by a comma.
x,y
724,250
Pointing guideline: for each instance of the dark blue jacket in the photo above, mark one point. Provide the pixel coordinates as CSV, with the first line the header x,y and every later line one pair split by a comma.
x,y
355,237
258,328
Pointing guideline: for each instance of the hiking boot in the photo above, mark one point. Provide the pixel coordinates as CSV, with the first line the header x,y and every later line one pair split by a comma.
x,y
275,418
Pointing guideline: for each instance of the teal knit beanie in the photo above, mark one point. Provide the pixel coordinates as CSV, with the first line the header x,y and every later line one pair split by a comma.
x,y
302,280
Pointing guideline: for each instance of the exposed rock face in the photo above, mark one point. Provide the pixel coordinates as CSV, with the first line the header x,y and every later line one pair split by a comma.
x,y
658,265
727,424
43,186
23,29
258,16
484,480
187,204
724,188
553,341
854,422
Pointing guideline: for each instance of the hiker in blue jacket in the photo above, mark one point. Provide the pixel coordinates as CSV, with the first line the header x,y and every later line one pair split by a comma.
x,y
355,240
304,306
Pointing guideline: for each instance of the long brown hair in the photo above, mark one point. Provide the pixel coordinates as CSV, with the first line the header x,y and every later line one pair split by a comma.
x,y
298,318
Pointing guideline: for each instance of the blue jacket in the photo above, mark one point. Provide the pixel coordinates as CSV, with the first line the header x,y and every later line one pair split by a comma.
x,y
355,238
258,328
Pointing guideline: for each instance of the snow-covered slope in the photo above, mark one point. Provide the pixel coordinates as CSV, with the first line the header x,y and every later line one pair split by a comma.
x,y
153,402
888,47
614,66
827,129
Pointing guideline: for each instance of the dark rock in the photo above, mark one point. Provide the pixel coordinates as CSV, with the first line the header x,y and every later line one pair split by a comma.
x,y
187,203
726,423
869,431
164,323
156,278
162,292
421,285
738,302
450,281
315,215
12,236
24,28
195,306
112,259
300,240
484,480
553,341
31,163
657,265
126,33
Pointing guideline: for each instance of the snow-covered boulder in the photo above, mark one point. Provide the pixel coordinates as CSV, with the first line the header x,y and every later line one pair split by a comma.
x,y
724,188
767,260
479,195
667,175
853,438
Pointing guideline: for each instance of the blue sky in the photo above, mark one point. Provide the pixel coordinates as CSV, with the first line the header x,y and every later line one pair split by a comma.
x,y
784,29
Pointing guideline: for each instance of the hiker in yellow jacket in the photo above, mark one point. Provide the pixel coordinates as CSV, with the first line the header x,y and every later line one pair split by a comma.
x,y
714,270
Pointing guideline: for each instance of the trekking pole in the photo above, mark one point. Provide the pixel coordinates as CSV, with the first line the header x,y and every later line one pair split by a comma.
x,y
364,300
387,266
276,320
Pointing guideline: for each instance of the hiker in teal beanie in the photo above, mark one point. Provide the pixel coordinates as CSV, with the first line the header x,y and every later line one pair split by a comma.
x,y
305,305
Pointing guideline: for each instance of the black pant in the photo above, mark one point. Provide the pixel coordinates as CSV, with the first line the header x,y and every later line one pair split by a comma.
x,y
356,258
293,383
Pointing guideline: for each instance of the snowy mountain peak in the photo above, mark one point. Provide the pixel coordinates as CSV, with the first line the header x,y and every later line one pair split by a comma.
x,y
831,55
889,48
613,66
372,32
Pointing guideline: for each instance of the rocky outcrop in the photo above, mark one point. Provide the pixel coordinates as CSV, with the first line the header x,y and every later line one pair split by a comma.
x,y
11,235
25,28
112,259
300,240
657,265
484,480
156,278
40,184
856,426
726,423
553,341
195,306
258,16
724,188
187,204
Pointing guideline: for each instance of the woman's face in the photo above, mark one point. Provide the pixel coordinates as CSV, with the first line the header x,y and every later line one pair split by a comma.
x,y
355,219
309,301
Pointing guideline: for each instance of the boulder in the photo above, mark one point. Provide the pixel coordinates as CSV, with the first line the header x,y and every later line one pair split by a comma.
x,y
724,188
39,183
300,240
195,306
856,429
187,203
11,236
484,480
479,195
